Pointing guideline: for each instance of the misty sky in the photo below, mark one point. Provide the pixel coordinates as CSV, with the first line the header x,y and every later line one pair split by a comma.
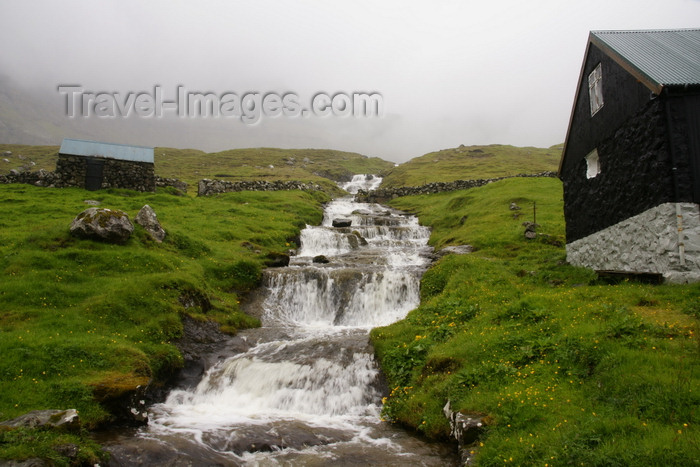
x,y
449,72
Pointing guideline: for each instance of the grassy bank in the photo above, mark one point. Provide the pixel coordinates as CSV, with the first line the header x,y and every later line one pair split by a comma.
x,y
563,368
83,321
473,162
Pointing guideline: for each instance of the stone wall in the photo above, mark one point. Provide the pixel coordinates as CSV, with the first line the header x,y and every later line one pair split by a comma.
x,y
646,243
49,179
39,178
162,182
116,173
211,187
139,176
383,194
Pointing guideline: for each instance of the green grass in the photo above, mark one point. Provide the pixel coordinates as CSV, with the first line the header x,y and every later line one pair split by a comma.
x,y
473,162
26,443
564,369
80,319
192,165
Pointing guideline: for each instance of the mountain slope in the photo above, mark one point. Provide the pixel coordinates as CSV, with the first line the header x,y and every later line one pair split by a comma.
x,y
473,162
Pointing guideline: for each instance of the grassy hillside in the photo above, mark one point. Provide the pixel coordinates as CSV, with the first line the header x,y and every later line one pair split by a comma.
x,y
254,164
473,162
83,321
563,368
192,165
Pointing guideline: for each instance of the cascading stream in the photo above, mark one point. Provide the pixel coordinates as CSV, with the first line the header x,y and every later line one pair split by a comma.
x,y
308,392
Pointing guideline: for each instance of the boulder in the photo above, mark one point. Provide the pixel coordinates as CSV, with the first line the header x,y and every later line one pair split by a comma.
x,y
342,222
109,225
530,230
360,238
148,219
276,260
64,419
321,259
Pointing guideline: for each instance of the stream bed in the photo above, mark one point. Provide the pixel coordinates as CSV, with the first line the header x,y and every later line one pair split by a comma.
x,y
308,390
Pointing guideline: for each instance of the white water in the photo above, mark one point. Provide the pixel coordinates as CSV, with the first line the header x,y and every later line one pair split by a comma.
x,y
310,388
361,182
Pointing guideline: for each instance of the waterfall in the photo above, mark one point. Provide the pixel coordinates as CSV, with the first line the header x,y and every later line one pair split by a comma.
x,y
361,182
309,388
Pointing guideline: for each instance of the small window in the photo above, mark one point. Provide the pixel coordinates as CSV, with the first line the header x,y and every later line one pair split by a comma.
x,y
592,164
595,89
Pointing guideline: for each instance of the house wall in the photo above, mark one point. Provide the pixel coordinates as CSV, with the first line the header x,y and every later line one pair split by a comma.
x,y
652,242
684,109
623,97
639,138
116,173
635,175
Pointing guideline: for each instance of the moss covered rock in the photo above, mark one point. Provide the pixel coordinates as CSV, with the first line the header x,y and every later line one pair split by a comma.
x,y
103,224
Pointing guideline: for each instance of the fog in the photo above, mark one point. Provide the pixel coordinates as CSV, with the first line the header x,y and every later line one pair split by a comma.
x,y
448,72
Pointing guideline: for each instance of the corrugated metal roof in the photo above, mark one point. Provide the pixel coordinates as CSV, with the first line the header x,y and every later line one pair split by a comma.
x,y
125,152
667,57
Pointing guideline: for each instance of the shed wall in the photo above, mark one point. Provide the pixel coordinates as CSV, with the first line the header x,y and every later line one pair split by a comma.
x,y
116,173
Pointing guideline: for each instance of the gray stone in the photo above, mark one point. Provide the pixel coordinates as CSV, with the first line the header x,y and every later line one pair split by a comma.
x,y
91,202
362,241
64,419
342,222
465,428
514,207
148,219
321,259
112,226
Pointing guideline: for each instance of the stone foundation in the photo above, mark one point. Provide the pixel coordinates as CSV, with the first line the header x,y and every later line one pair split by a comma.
x,y
646,243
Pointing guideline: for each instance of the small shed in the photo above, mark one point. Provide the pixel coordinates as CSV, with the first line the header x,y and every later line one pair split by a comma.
x,y
631,160
94,165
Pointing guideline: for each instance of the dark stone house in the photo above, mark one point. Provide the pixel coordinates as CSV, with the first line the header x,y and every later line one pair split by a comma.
x,y
94,165
631,162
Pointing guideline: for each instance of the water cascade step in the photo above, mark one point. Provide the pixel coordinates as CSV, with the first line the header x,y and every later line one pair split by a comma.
x,y
308,392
